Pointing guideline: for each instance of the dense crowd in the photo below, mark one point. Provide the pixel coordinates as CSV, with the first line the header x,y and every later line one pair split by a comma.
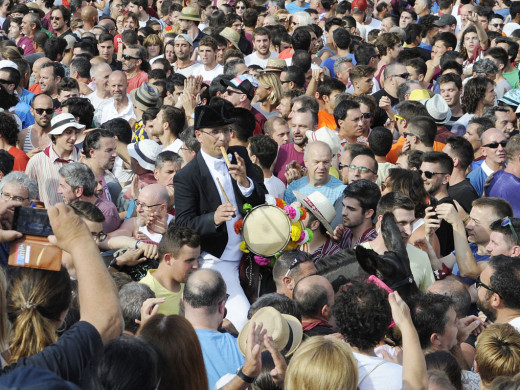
x,y
259,194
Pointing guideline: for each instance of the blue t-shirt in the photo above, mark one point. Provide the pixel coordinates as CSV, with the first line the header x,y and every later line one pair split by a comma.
x,y
456,271
477,178
329,63
293,7
506,186
221,354
332,190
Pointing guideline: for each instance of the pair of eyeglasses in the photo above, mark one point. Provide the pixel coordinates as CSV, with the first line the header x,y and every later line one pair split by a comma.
x,y
429,174
360,169
215,133
506,221
286,81
146,206
5,82
496,25
40,111
129,57
478,283
295,262
55,18
402,75
101,236
7,197
494,145
367,115
398,117
240,7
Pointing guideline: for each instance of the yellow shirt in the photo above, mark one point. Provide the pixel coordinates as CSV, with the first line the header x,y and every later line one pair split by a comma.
x,y
173,299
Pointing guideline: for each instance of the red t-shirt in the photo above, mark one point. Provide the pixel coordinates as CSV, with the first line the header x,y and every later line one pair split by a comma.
x,y
20,159
286,154
136,81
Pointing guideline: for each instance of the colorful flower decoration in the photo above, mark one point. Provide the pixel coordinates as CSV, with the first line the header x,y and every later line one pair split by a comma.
x,y
280,203
296,232
238,226
243,247
262,261
246,208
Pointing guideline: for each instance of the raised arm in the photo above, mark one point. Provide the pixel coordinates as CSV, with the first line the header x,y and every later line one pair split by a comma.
x,y
98,297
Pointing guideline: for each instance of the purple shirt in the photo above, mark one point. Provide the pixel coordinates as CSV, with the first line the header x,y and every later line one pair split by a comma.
x,y
286,154
506,186
109,210
26,44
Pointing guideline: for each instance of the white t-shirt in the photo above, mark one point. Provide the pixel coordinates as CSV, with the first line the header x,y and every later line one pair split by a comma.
x,y
187,71
253,59
175,146
515,323
375,373
208,75
98,104
275,186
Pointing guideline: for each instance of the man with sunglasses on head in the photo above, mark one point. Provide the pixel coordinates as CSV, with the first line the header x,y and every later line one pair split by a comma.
x,y
494,150
210,195
291,267
505,183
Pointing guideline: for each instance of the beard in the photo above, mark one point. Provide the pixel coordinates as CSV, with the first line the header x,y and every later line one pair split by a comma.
x,y
489,312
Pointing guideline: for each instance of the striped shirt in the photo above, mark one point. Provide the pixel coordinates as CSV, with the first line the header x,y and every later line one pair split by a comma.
x,y
346,241
327,249
45,170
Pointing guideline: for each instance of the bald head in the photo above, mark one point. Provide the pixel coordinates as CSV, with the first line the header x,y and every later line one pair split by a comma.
x,y
156,193
117,85
205,288
455,289
492,135
317,147
314,294
108,24
40,99
88,14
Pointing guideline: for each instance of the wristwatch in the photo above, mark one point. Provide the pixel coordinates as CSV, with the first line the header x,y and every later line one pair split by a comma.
x,y
244,377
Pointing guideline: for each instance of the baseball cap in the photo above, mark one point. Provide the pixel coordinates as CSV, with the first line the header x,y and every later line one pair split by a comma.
x,y
245,83
445,20
360,5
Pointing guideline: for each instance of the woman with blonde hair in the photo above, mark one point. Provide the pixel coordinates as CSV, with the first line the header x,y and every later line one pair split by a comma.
x,y
322,363
268,94
153,45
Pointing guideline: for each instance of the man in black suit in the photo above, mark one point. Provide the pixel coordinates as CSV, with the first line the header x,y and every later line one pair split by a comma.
x,y
201,204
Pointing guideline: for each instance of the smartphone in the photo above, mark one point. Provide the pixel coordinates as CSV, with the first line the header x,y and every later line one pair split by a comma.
x,y
32,221
433,202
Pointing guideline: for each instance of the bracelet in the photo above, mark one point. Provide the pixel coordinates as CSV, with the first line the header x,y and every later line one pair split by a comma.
x,y
137,244
244,377
465,219
113,264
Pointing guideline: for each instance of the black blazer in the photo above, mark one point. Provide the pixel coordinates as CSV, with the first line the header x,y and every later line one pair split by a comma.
x,y
197,198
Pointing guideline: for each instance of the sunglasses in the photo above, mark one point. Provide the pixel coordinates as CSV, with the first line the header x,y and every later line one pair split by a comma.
x,y
231,92
367,115
497,25
129,57
360,169
295,262
40,111
402,75
506,221
55,18
429,174
478,283
494,145
240,7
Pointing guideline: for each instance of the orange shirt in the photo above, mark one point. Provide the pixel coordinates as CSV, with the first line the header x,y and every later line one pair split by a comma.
x,y
326,120
20,159
391,157
35,88
136,81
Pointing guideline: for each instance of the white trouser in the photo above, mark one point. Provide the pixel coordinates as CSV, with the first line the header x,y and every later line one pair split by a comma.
x,y
237,304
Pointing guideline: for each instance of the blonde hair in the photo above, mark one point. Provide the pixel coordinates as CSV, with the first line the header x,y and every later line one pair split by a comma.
x,y
498,352
321,364
153,39
269,80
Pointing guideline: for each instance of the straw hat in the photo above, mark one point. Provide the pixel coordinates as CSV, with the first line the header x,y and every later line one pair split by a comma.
x,y
275,65
190,13
231,35
319,206
285,330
